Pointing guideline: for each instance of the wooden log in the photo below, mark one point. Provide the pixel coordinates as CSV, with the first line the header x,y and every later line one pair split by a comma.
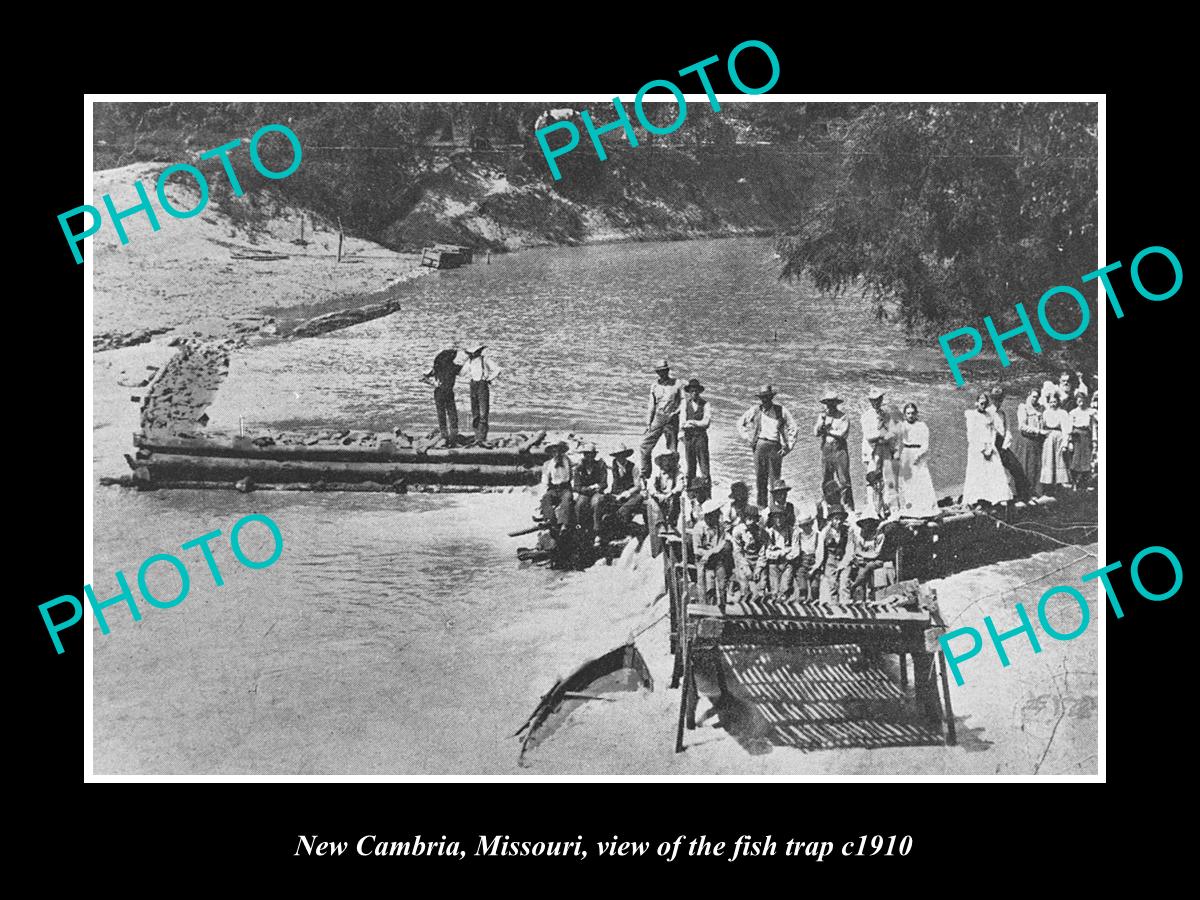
x,y
686,685
312,487
169,467
243,449
541,526
426,444
532,442
951,737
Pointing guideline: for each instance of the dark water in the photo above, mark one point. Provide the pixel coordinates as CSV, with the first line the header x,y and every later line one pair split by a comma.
x,y
576,331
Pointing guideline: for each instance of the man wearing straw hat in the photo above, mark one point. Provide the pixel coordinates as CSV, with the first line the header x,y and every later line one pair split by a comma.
x,y
556,503
714,553
627,493
662,414
482,373
770,431
879,445
833,426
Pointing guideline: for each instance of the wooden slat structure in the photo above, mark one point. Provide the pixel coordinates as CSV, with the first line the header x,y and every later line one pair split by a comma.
x,y
446,256
902,619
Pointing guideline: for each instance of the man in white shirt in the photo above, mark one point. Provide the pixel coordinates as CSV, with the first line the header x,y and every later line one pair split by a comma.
x,y
879,445
770,430
482,373
557,506
832,430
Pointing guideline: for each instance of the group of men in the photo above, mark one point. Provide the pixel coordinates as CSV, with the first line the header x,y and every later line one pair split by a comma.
x,y
789,555
447,366
770,430
816,553
581,501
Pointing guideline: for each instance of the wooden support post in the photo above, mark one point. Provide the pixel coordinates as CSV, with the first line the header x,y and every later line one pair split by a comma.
x,y
339,259
951,737
683,694
903,673
678,616
691,693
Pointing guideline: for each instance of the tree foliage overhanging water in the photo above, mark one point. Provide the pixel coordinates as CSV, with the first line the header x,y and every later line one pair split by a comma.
x,y
949,212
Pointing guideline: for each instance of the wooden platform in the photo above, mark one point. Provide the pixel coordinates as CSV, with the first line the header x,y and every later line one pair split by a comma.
x,y
961,539
163,461
901,620
446,256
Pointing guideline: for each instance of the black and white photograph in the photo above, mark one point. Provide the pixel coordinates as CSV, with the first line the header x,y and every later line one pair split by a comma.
x,y
536,437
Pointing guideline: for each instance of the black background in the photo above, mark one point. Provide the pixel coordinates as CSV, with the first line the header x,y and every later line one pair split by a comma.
x,y
966,835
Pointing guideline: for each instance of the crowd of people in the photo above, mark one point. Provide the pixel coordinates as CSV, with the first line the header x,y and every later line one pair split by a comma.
x,y
771,548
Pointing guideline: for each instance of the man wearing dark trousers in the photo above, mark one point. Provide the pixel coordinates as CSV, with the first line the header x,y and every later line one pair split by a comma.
x,y
662,415
697,416
557,506
482,373
768,428
446,366
588,483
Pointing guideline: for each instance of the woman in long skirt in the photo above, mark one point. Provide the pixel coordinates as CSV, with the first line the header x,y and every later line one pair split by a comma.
x,y
1031,437
1080,445
986,478
917,498
1056,422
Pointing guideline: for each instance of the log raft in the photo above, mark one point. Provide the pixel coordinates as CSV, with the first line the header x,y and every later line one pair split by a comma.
x,y
163,461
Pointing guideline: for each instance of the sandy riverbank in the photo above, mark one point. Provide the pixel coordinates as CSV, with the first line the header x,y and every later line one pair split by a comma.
x,y
1038,716
184,279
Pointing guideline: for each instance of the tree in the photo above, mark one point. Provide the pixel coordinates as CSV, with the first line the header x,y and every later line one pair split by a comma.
x,y
948,212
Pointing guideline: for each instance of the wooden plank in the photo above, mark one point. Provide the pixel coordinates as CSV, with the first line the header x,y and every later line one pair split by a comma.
x,y
884,638
209,468
798,611
531,442
951,737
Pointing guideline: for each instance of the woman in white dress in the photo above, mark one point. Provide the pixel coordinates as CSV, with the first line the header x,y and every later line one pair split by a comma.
x,y
917,498
986,478
1056,422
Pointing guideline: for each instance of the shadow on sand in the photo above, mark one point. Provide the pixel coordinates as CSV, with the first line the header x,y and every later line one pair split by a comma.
x,y
818,698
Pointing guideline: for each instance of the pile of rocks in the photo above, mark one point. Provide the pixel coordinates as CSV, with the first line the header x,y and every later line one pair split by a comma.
x,y
111,340
176,399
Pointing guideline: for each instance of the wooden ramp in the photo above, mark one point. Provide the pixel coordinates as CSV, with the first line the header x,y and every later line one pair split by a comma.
x,y
822,698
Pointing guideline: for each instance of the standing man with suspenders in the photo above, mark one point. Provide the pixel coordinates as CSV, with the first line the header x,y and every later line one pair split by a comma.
x,y
482,373
770,431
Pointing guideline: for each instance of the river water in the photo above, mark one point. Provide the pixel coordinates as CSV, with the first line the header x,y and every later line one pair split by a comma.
x,y
396,634
577,331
